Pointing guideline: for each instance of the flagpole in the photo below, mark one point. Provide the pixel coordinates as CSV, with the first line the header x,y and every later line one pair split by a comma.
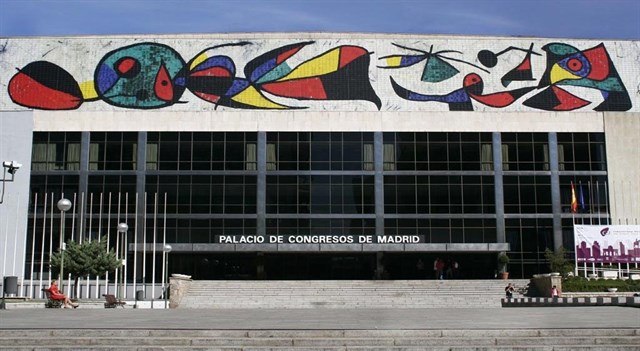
x,y
606,203
598,200
589,184
573,208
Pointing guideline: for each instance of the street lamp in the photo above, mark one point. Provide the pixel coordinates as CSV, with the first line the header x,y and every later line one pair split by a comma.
x,y
64,205
165,251
122,229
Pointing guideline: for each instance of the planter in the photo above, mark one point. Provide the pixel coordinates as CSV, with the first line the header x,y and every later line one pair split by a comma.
x,y
609,274
504,275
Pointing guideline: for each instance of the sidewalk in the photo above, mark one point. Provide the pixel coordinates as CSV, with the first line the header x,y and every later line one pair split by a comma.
x,y
328,319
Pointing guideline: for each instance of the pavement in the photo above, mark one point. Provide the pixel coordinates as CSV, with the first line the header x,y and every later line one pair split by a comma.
x,y
600,317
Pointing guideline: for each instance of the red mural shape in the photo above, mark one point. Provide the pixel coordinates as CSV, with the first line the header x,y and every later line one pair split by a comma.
x,y
43,85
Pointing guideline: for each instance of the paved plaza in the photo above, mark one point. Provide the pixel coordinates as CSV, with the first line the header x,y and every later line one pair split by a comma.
x,y
324,319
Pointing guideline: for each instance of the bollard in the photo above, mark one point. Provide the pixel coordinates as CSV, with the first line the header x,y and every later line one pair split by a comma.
x,y
139,297
9,287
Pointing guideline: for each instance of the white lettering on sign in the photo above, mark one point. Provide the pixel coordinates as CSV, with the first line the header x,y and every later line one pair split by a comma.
x,y
398,239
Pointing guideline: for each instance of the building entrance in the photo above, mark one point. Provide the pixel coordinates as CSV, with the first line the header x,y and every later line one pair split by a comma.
x,y
332,266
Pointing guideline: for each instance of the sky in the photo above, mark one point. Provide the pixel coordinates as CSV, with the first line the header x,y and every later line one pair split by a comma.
x,y
579,19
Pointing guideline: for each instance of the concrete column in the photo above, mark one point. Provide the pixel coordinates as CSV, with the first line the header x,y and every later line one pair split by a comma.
x,y
261,185
378,182
83,184
556,205
499,189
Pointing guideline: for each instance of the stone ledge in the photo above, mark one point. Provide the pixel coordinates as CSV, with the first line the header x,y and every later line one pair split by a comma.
x,y
631,301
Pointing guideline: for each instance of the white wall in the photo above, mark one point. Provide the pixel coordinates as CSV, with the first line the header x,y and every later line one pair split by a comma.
x,y
622,133
16,130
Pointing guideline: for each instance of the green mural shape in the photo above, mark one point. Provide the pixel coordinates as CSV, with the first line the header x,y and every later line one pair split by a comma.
x,y
437,70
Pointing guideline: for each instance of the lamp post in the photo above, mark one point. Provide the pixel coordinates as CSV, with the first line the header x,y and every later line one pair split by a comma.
x,y
64,205
122,229
165,251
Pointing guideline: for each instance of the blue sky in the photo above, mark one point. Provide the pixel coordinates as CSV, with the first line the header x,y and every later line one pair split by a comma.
x,y
583,19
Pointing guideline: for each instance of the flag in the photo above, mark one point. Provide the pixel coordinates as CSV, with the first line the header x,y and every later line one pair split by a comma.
x,y
574,201
582,205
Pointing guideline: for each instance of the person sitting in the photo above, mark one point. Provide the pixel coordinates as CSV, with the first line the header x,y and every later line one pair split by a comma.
x,y
555,292
57,295
508,290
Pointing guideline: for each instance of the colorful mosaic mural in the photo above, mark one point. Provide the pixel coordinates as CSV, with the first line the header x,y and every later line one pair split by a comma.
x,y
149,75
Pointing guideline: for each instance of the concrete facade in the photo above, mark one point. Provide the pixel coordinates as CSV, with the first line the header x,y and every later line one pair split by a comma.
x,y
392,94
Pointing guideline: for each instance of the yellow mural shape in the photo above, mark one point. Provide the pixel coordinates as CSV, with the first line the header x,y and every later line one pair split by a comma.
x,y
323,64
88,90
251,96
393,61
559,74
198,60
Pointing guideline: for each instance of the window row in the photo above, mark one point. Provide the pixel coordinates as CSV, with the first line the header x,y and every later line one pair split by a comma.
x,y
316,194
437,151
205,194
191,230
320,194
202,151
439,194
321,226
445,230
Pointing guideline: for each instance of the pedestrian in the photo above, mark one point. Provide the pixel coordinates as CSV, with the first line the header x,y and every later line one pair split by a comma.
x,y
555,292
508,290
420,269
438,267
456,270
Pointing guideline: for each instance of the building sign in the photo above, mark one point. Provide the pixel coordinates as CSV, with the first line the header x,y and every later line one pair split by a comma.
x,y
607,244
320,239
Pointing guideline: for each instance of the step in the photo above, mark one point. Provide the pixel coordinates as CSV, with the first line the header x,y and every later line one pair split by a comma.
x,y
584,339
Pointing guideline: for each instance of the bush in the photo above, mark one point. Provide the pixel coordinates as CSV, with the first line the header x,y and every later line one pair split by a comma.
x,y
503,261
581,284
558,261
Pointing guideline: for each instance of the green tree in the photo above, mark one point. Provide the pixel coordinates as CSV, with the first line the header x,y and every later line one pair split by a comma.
x,y
558,261
503,261
90,258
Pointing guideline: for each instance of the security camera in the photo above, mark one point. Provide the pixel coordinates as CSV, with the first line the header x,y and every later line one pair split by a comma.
x,y
13,166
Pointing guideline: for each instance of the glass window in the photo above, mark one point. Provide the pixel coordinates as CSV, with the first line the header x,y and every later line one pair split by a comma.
x,y
201,151
581,152
113,151
205,193
55,151
527,194
525,152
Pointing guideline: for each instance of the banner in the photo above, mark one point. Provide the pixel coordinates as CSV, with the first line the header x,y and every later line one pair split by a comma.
x,y
607,243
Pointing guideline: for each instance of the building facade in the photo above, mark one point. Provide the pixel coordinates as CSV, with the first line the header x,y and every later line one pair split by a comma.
x,y
316,156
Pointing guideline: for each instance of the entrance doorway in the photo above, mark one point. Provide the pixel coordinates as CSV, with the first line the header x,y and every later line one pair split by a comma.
x,y
329,266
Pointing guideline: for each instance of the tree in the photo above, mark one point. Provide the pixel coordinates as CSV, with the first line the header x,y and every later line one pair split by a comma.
x,y
558,261
88,258
503,261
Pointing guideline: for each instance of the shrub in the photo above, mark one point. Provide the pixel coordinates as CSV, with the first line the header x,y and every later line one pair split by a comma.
x,y
581,284
558,261
503,261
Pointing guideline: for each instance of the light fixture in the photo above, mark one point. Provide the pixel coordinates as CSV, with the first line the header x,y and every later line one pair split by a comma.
x,y
11,167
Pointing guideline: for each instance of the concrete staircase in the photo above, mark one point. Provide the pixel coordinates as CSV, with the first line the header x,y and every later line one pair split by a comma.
x,y
475,339
347,294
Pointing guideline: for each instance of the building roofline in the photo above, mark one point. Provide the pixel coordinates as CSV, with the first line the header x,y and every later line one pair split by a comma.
x,y
304,35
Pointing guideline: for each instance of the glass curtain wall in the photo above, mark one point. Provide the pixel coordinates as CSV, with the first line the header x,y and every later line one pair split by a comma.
x,y
438,185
